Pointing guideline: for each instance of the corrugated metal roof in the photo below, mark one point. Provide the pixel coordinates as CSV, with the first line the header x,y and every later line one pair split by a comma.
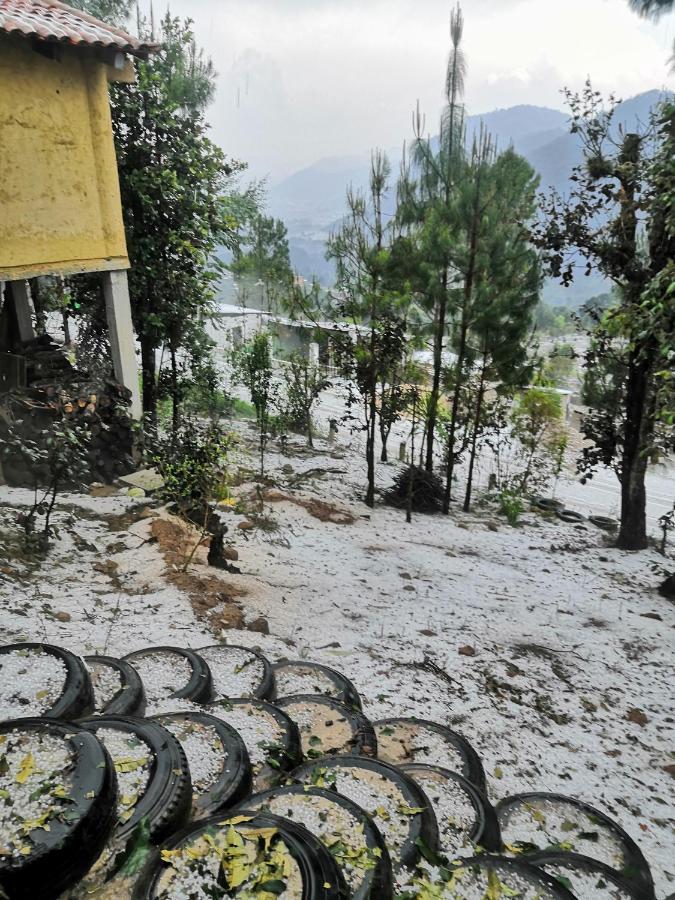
x,y
51,20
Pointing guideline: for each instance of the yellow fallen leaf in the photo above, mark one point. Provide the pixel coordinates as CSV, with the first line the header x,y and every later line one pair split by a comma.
x,y
26,769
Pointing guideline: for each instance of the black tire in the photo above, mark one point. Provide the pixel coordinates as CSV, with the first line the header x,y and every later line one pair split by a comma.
x,y
604,522
280,758
234,782
552,861
167,798
548,504
199,687
485,829
130,699
378,881
322,879
77,699
345,691
470,767
570,515
265,689
635,870
423,831
70,847
538,878
363,741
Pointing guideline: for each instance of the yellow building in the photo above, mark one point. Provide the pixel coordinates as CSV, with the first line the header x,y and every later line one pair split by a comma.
x,y
60,210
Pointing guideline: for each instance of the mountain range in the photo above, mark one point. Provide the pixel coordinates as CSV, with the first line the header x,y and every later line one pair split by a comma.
x,y
312,201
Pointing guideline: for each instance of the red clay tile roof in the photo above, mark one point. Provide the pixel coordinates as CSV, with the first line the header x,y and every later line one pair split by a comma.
x,y
51,20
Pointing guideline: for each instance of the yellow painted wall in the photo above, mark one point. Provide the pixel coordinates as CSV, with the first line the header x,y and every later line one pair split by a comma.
x,y
60,208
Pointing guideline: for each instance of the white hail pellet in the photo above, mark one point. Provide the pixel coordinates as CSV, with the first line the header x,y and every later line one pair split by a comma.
x,y
454,811
550,822
31,681
34,786
236,672
294,679
588,885
162,673
469,884
377,795
335,827
106,681
402,742
258,729
133,760
205,752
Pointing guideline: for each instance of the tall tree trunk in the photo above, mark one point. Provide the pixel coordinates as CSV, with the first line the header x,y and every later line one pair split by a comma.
x,y
148,368
40,315
638,429
474,438
175,401
439,337
66,327
370,450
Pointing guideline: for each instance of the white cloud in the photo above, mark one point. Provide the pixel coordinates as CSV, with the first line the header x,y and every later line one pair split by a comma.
x,y
305,79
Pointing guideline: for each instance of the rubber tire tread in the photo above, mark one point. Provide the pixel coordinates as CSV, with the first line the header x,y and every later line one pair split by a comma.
x,y
200,686
168,800
473,767
379,883
73,852
485,831
130,700
635,860
426,827
229,789
317,865
77,698
267,688
347,692
365,740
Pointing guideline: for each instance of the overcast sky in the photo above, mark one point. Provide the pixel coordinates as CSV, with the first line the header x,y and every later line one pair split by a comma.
x,y
300,80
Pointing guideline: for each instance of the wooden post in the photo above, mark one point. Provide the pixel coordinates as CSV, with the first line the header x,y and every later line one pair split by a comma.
x,y
121,332
18,296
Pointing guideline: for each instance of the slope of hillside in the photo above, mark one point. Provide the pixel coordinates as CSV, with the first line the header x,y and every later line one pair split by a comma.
x,y
312,200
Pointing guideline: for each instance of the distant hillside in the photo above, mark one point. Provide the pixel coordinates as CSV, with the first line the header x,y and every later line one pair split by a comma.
x,y
312,200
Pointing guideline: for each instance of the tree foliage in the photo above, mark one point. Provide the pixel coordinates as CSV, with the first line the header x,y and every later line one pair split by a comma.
x,y
621,219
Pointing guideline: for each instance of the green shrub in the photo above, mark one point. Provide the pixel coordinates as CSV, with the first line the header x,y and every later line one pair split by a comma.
x,y
511,505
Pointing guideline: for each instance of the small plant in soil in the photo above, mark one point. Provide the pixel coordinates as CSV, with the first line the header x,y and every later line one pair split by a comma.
x,y
58,460
193,463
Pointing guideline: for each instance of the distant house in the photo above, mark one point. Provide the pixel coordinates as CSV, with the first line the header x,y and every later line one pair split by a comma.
x,y
60,209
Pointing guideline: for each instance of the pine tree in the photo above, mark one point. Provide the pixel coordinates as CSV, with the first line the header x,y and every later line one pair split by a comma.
x,y
427,191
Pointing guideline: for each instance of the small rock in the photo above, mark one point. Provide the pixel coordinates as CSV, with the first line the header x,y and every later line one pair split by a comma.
x,y
654,616
408,587
260,625
245,525
287,469
98,489
147,513
405,575
427,632
135,492
492,526
109,567
636,715
667,588
230,553
467,651
670,770
62,616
